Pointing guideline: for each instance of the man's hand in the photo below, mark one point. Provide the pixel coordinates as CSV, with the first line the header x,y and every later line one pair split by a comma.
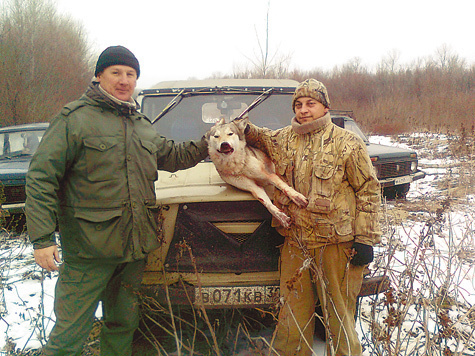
x,y
363,254
47,258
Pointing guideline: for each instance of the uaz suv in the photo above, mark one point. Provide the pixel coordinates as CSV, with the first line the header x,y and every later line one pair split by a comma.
x,y
219,249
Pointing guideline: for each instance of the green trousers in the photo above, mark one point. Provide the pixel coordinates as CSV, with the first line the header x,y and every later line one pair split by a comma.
x,y
80,287
325,275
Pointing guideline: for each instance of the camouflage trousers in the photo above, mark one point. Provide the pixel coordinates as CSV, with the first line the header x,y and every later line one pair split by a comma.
x,y
309,275
79,289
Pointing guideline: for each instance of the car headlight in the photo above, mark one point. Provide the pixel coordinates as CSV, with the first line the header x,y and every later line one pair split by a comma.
x,y
413,166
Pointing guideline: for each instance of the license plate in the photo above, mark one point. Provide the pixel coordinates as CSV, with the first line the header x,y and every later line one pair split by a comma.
x,y
402,180
237,296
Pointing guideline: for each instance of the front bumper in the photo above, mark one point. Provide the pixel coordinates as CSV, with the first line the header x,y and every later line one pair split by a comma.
x,y
182,293
12,209
391,182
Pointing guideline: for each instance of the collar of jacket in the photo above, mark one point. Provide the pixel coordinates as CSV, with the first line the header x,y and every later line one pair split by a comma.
x,y
315,125
95,92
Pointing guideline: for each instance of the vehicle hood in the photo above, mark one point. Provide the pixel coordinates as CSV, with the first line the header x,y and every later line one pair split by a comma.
x,y
14,169
197,184
383,151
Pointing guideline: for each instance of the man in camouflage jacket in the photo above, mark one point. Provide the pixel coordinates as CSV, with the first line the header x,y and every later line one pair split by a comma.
x,y
330,240
94,174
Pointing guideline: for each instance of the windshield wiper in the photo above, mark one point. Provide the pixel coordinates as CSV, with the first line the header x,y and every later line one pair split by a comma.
x,y
174,102
178,98
21,154
256,102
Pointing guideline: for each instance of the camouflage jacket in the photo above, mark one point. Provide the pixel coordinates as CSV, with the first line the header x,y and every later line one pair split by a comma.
x,y
94,173
331,167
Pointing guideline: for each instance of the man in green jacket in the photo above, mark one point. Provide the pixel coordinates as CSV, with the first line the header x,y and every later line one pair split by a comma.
x,y
331,239
94,175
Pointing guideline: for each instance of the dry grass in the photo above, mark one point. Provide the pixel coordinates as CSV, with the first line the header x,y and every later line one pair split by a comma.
x,y
428,253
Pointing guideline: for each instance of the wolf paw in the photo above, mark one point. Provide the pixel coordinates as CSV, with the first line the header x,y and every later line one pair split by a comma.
x,y
299,199
283,219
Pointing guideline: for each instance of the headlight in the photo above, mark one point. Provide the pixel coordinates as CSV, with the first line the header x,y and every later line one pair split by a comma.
x,y
413,166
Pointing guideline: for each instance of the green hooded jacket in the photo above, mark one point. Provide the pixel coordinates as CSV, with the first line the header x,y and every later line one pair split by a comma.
x,y
94,174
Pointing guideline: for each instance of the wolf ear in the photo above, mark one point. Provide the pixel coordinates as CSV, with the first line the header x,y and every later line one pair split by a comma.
x,y
242,123
220,121
217,123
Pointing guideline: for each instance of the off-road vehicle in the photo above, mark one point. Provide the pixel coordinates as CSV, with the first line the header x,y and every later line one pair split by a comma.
x,y
219,248
17,146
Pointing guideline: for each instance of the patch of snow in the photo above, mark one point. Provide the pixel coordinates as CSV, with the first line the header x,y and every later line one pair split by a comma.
x,y
421,241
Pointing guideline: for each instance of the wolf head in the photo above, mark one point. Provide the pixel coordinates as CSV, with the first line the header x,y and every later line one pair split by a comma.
x,y
226,137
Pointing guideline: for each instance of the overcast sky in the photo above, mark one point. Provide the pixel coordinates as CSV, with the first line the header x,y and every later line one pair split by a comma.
x,y
182,39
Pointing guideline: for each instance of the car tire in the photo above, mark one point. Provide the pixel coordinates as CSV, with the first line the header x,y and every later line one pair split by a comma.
x,y
396,192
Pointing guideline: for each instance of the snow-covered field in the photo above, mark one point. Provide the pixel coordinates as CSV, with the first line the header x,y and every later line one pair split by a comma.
x,y
428,252
27,297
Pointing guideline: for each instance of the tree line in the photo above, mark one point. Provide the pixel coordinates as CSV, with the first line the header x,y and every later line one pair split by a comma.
x,y
45,62
434,94
425,97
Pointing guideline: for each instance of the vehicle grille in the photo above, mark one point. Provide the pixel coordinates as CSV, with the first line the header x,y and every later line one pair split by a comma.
x,y
201,228
394,169
14,194
240,238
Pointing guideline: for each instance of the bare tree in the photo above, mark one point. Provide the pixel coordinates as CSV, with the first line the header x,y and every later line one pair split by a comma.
x,y
390,63
446,60
44,61
265,64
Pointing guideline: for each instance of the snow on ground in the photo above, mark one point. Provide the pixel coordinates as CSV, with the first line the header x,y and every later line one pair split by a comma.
x,y
439,244
429,256
22,313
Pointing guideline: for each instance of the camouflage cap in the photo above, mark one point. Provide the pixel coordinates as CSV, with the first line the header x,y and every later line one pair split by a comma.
x,y
313,89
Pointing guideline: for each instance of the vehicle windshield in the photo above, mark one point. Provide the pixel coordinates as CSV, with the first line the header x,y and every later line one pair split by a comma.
x,y
19,143
352,126
194,115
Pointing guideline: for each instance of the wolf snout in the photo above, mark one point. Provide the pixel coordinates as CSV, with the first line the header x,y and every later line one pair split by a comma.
x,y
226,148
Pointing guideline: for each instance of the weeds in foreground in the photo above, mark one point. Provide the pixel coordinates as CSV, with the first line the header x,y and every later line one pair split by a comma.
x,y
428,255
429,310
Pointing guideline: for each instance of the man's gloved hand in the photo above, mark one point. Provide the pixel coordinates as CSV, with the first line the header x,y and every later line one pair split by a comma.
x,y
363,254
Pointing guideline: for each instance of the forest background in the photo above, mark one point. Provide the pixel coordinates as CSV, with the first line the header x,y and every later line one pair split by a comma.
x,y
46,62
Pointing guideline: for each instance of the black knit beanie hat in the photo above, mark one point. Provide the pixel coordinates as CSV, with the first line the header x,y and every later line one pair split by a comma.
x,y
116,55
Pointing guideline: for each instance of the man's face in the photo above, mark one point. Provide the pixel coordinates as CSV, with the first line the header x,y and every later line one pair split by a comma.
x,y
119,81
308,109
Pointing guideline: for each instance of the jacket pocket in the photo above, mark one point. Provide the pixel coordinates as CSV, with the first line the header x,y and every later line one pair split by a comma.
x,y
284,169
323,175
101,233
152,232
322,189
70,275
102,159
148,159
333,231
344,227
